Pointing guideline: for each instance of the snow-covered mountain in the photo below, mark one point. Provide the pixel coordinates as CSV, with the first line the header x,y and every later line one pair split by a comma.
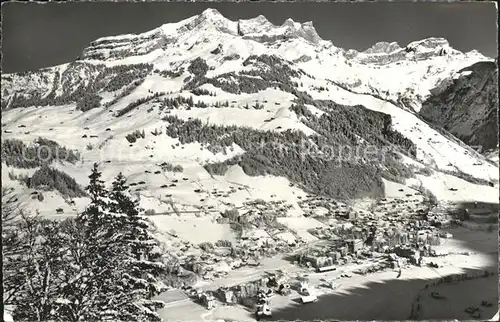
x,y
386,70
230,102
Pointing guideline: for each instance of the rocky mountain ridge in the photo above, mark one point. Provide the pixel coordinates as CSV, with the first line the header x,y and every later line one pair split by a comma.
x,y
417,68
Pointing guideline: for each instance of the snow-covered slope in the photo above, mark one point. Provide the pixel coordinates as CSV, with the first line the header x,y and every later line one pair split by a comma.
x,y
241,76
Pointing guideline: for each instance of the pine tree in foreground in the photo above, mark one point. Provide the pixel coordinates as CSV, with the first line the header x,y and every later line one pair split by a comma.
x,y
122,238
142,249
103,265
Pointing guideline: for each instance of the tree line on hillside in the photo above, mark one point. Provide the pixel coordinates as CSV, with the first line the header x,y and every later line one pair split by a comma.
x,y
231,57
349,122
116,77
188,102
132,137
125,92
346,181
131,106
48,178
88,102
44,151
113,79
176,102
201,92
292,154
105,264
166,166
198,67
170,73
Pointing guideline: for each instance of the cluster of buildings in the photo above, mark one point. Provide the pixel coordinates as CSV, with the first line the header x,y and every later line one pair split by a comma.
x,y
314,206
327,256
276,283
216,264
446,214
255,294
261,236
398,226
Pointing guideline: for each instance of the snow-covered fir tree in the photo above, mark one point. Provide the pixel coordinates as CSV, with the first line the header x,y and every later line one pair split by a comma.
x,y
103,265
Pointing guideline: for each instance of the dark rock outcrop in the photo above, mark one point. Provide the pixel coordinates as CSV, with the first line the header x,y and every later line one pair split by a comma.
x,y
467,106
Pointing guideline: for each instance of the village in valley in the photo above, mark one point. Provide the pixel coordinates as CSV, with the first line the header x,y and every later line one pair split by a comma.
x,y
272,265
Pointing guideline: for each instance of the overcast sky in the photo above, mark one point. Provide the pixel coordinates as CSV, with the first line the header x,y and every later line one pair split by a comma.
x,y
41,35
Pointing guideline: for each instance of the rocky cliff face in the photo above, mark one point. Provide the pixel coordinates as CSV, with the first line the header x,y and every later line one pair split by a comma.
x,y
466,105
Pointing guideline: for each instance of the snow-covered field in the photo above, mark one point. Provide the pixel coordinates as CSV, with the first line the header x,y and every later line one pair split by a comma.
x,y
440,184
194,229
396,190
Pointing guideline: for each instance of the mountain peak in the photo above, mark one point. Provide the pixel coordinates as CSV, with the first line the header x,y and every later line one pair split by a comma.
x,y
211,13
308,24
261,28
208,19
304,30
259,21
289,22
212,16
